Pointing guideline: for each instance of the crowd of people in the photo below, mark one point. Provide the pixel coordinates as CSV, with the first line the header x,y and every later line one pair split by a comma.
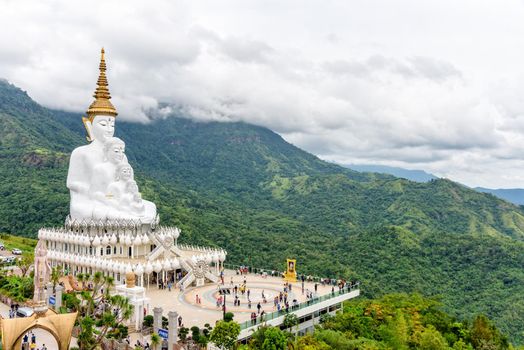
x,y
29,342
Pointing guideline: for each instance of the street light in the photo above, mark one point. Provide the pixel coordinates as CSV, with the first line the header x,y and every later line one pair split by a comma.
x,y
224,291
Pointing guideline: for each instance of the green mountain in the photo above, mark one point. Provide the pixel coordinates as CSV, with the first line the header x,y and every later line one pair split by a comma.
x,y
244,188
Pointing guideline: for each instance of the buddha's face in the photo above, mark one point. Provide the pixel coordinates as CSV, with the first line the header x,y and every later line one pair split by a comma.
x,y
115,153
103,127
126,173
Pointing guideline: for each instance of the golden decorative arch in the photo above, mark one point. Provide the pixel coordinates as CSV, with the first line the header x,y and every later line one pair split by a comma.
x,y
59,325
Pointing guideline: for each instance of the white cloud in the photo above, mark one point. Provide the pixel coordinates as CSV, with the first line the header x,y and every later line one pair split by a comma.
x,y
434,85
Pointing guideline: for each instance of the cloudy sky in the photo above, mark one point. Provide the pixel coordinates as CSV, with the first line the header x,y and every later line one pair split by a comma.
x,y
433,85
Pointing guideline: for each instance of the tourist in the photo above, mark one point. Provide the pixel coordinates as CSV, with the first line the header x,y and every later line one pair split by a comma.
x,y
259,307
169,286
43,347
33,337
316,287
248,293
179,321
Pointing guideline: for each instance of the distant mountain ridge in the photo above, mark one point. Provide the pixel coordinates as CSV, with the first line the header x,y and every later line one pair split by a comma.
x,y
244,188
412,175
512,195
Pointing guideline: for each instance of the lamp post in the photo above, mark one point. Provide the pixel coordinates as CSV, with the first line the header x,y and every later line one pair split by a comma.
x,y
224,291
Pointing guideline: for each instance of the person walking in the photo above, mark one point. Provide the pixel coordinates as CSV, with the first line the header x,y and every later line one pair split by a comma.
x,y
259,307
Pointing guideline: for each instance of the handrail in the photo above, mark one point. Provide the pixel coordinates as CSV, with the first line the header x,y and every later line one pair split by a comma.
x,y
270,316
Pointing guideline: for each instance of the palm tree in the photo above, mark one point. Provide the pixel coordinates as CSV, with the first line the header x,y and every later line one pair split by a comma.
x,y
56,273
155,340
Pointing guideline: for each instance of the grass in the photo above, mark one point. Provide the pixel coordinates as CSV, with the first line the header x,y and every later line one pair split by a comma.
x,y
26,245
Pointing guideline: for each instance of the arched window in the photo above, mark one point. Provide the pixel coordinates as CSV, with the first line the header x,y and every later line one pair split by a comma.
x,y
108,250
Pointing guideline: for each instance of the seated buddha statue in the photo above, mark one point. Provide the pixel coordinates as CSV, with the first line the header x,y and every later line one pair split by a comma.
x,y
92,167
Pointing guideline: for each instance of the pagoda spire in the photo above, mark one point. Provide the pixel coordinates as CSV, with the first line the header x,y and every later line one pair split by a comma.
x,y
101,105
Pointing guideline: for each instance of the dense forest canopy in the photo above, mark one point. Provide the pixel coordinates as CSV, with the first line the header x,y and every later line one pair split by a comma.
x,y
244,188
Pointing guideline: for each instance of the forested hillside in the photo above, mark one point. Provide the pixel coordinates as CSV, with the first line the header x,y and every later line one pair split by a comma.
x,y
244,188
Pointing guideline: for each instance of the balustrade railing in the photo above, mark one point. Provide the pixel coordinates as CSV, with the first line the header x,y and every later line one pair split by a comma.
x,y
272,315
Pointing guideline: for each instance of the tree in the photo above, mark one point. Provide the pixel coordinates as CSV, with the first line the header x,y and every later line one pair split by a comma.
x,y
148,321
182,333
225,334
25,262
99,312
56,273
308,342
431,339
228,317
275,339
484,335
155,340
290,320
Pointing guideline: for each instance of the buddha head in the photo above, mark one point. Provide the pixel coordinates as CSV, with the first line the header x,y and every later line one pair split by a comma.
x,y
124,172
101,128
114,150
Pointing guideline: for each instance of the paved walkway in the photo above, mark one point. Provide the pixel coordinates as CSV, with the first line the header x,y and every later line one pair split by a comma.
x,y
207,311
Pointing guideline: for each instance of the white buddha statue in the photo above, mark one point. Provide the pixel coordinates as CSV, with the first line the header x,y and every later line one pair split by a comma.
x,y
92,167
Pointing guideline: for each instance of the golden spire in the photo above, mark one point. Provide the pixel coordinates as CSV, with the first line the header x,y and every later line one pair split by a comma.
x,y
101,105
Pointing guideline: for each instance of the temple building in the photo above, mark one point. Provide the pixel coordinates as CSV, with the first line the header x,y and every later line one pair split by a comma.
x,y
111,228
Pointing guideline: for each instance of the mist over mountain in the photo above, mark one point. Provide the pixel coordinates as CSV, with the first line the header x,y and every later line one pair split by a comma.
x,y
244,188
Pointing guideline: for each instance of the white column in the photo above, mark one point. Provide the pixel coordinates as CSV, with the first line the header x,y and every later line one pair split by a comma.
x,y
173,330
